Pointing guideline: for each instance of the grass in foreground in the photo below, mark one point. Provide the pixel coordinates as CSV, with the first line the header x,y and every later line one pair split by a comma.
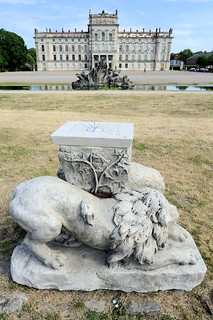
x,y
173,134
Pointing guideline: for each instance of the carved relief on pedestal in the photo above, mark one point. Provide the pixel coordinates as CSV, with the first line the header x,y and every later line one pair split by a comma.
x,y
97,170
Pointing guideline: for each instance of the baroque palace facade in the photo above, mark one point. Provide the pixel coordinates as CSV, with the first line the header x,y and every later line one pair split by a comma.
x,y
128,50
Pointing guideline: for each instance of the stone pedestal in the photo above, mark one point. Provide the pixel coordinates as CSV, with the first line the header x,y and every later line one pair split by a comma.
x,y
95,156
86,270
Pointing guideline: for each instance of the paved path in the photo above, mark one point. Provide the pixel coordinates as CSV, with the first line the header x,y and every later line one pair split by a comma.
x,y
138,77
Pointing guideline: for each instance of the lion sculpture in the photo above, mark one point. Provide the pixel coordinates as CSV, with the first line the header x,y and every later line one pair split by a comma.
x,y
132,223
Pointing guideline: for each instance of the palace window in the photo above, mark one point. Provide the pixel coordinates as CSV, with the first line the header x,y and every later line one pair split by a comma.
x,y
139,47
120,47
43,57
120,65
42,47
85,47
85,57
67,57
73,47
67,47
79,48
60,47
110,47
110,37
120,56
139,57
103,46
96,37
54,47
61,57
73,57
54,57
126,65
133,47
126,57
79,57
133,56
127,47
145,57
103,36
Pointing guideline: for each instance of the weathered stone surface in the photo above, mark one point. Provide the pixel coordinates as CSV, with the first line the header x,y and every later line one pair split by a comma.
x,y
101,76
95,156
132,223
4,265
141,176
148,308
95,305
12,303
94,134
86,269
97,170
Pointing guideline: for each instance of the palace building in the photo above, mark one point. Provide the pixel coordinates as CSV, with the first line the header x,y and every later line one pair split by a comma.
x,y
81,50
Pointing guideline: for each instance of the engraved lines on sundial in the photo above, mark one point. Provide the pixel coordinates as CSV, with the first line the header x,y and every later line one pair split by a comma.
x,y
95,127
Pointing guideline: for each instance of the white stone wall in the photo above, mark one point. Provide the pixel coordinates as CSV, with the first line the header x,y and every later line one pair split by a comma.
x,y
138,50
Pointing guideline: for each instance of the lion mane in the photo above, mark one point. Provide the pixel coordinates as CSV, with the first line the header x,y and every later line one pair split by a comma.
x,y
142,220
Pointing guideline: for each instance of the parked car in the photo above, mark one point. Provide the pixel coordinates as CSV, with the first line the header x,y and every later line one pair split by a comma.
x,y
202,70
192,69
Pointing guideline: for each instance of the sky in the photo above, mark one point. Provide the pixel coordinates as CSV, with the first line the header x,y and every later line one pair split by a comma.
x,y
191,20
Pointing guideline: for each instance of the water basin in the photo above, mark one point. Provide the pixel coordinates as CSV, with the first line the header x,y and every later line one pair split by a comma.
x,y
136,87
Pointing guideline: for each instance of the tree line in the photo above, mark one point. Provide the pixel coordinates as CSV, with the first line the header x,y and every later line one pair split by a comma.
x,y
14,55
202,60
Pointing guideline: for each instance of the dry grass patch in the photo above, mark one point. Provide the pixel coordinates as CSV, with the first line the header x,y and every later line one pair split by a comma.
x,y
173,134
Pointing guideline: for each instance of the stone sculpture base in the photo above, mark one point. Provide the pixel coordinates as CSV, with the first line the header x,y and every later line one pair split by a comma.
x,y
86,270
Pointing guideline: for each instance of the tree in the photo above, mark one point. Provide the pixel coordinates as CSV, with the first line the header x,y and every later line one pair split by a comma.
x,y
30,61
32,52
210,60
13,49
205,61
185,54
3,63
172,56
202,61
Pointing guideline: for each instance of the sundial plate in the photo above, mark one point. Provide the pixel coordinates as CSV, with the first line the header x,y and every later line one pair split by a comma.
x,y
101,134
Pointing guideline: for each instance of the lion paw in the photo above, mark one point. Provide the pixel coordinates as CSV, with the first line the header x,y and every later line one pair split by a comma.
x,y
190,257
55,260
